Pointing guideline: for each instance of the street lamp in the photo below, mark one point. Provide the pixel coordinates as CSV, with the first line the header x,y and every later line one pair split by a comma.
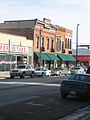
x,y
40,48
77,45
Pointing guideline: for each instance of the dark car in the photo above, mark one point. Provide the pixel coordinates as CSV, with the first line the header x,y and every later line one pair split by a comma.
x,y
76,85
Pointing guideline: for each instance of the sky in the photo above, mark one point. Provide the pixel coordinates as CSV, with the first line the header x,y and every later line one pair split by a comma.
x,y
66,13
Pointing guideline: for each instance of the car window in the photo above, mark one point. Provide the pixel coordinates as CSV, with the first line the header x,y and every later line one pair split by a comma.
x,y
77,77
21,66
28,67
72,77
85,78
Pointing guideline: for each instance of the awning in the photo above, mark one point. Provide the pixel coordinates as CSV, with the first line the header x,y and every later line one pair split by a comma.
x,y
43,56
62,57
71,58
83,58
52,56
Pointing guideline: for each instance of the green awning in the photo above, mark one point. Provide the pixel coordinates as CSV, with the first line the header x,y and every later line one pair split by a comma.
x,y
52,56
43,56
71,58
62,57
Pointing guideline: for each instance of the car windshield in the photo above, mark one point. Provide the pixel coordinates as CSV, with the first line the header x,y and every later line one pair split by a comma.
x,y
76,68
21,66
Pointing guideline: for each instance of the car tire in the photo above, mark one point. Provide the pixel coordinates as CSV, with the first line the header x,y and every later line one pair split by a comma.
x,y
23,75
43,75
63,96
32,75
12,77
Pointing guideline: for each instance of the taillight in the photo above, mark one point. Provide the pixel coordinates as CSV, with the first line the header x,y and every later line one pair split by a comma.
x,y
62,84
86,86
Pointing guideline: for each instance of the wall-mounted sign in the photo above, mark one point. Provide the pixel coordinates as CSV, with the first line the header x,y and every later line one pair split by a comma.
x,y
16,49
4,47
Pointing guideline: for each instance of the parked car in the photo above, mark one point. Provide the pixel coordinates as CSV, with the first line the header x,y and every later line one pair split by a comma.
x,y
88,70
78,70
39,72
22,71
47,72
60,71
76,85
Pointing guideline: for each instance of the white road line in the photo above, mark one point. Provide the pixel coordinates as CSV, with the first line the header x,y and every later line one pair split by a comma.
x,y
30,83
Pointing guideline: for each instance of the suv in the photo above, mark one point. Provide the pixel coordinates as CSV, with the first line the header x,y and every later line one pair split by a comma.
x,y
22,71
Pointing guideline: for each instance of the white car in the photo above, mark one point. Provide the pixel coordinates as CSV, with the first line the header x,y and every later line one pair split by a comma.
x,y
47,72
40,71
77,70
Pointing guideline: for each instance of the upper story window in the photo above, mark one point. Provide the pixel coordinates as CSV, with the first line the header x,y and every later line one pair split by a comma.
x,y
37,41
62,45
70,43
66,43
58,44
42,42
52,41
47,43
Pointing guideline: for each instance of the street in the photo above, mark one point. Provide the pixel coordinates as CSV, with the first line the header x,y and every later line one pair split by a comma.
x,y
35,98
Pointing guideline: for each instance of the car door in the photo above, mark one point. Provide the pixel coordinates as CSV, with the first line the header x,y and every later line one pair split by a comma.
x,y
28,70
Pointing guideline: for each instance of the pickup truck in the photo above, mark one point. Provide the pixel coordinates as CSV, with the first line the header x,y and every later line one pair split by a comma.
x,y
22,71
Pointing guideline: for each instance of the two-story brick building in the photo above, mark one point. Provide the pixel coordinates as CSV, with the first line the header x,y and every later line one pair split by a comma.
x,y
51,43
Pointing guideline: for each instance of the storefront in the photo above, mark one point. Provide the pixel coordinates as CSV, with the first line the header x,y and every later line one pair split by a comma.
x,y
13,51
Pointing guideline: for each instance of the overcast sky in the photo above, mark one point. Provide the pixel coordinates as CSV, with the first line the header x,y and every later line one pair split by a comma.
x,y
66,13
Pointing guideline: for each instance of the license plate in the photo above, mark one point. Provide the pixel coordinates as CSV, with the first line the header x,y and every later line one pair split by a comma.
x,y
72,93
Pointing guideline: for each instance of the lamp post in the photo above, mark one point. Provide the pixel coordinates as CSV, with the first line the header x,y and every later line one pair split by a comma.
x,y
40,48
77,45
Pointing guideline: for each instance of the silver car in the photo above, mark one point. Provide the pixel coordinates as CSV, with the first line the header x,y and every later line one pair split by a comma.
x,y
60,71
39,72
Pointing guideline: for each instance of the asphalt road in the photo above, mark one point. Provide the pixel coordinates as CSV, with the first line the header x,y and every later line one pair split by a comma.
x,y
35,101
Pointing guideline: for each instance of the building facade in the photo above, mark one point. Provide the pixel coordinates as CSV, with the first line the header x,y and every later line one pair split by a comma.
x,y
83,56
52,44
14,50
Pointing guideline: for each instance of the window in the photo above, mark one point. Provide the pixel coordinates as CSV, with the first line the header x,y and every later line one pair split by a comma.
x,y
65,42
42,42
37,41
62,45
58,45
52,43
70,43
47,43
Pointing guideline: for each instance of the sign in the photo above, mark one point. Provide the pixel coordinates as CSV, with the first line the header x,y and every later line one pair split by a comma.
x,y
4,47
16,49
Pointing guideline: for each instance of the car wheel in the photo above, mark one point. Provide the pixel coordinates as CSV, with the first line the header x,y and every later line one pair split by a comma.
x,y
63,96
43,75
23,75
12,77
32,75
59,74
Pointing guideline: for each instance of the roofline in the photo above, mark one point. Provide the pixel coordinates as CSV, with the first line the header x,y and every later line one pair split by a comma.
x,y
20,20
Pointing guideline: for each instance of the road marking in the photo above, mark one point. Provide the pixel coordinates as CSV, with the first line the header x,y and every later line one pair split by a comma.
x,y
31,103
30,83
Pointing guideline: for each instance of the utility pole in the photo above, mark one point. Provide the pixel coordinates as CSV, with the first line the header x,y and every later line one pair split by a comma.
x,y
77,45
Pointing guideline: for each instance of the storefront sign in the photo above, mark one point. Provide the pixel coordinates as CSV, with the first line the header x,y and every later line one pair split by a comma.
x,y
16,49
4,47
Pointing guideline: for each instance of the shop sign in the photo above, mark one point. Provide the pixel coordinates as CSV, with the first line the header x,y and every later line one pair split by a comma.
x,y
4,47
16,49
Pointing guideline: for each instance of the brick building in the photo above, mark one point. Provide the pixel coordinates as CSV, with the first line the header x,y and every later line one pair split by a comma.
x,y
55,41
